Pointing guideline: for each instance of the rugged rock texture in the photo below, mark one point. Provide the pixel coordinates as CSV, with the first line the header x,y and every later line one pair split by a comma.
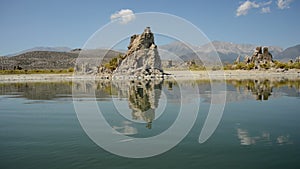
x,y
142,58
260,55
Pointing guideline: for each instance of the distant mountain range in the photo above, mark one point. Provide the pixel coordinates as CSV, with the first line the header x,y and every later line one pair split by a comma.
x,y
51,59
228,52
52,49
289,53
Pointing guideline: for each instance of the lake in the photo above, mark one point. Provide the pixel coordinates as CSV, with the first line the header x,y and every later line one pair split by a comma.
x,y
259,128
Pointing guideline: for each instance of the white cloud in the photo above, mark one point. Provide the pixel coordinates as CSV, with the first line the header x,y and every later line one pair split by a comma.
x,y
265,10
125,16
245,7
283,4
265,3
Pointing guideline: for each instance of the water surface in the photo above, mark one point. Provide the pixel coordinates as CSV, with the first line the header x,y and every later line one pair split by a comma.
x,y
259,127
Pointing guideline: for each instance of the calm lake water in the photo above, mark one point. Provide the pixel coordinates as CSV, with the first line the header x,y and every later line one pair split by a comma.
x,y
259,128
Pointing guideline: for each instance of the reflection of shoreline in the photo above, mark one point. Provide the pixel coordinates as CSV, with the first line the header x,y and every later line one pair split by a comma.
x,y
237,90
262,89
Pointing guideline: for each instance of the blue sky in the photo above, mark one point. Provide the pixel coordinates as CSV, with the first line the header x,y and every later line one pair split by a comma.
x,y
31,23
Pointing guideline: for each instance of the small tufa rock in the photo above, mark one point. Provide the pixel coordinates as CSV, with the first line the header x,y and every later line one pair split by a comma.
x,y
247,59
267,56
238,59
259,56
297,60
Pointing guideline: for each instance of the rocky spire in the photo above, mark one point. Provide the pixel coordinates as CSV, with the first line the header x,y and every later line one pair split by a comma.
x,y
261,55
142,58
238,59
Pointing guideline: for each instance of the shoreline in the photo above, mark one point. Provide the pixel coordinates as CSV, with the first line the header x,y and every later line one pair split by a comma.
x,y
293,74
237,74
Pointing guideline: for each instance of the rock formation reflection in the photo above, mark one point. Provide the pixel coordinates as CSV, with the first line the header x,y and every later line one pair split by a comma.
x,y
262,89
143,98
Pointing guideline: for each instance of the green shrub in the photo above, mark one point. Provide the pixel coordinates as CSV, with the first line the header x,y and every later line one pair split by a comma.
x,y
265,66
71,69
195,67
113,63
241,65
227,66
296,65
250,66
35,71
216,68
281,65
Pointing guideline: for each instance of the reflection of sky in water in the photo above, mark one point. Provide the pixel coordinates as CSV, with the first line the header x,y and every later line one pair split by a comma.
x,y
265,137
126,129
244,137
285,139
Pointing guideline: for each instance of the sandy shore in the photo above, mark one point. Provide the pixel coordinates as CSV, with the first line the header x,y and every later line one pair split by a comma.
x,y
179,75
34,77
236,74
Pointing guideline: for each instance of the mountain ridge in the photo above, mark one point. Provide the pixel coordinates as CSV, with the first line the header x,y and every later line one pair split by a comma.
x,y
53,59
227,51
42,48
290,53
